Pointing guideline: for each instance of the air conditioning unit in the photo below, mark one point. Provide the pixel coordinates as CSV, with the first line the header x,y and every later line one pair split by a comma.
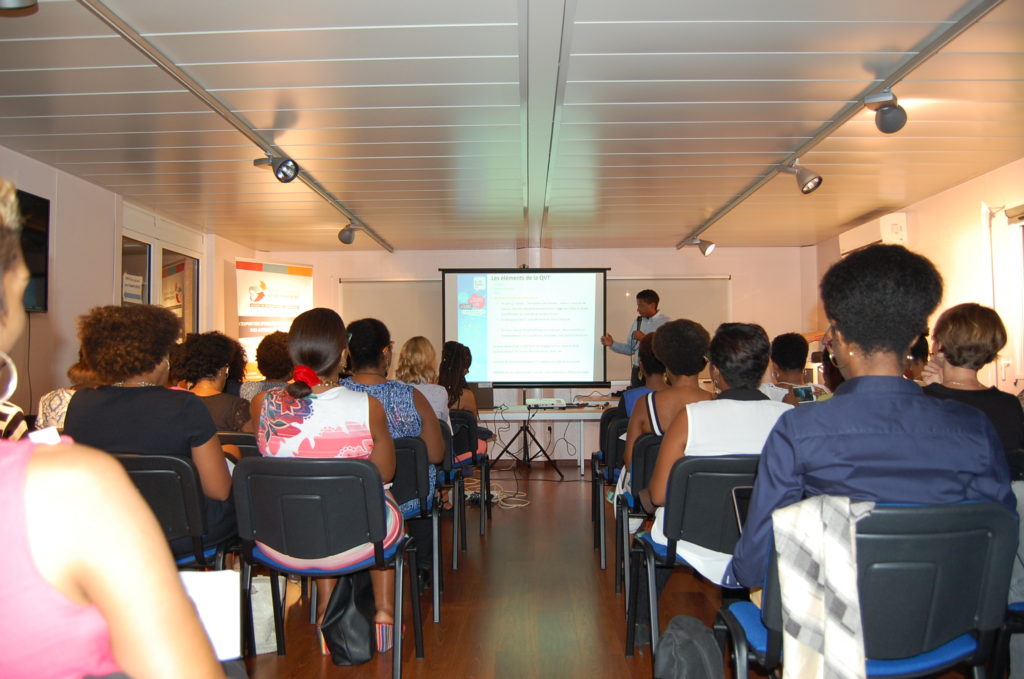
x,y
892,228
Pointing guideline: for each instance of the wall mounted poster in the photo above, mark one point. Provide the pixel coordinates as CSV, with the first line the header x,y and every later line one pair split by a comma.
x,y
269,297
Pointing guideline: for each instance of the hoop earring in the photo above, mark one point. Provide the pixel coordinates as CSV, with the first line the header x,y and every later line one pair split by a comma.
x,y
12,384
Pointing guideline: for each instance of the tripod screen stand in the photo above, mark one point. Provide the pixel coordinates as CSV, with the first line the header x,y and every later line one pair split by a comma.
x,y
526,434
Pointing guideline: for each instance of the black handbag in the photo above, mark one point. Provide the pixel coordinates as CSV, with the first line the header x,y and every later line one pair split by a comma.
x,y
348,621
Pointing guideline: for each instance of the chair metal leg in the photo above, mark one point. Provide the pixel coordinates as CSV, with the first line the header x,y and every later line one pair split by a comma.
x,y
602,539
275,592
396,648
417,617
487,483
622,525
462,513
455,527
314,598
248,633
634,578
652,596
435,536
624,545
483,500
726,628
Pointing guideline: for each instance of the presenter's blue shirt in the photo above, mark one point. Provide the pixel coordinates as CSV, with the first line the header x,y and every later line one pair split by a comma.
x,y
877,438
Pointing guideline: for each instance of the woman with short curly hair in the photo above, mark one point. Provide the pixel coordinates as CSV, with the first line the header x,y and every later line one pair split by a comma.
x,y
275,364
205,368
133,412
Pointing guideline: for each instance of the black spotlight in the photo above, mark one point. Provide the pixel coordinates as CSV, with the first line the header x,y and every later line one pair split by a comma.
x,y
347,235
890,117
285,169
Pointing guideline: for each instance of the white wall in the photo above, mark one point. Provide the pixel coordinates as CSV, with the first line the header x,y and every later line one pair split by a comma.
x,y
978,264
765,286
218,276
84,221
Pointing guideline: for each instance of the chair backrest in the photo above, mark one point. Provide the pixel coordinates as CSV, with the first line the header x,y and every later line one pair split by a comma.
x,y
699,500
612,445
606,417
463,432
449,450
645,456
310,508
411,479
926,575
171,487
246,442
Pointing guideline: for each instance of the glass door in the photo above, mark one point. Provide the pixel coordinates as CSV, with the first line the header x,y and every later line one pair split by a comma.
x,y
135,261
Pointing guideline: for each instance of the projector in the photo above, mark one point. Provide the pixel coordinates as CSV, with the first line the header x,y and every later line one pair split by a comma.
x,y
545,403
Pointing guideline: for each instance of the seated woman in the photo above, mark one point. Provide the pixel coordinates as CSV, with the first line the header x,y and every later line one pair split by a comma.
x,y
89,588
53,406
880,438
967,338
417,365
205,366
316,417
736,422
455,362
681,346
274,364
133,412
789,356
652,374
408,411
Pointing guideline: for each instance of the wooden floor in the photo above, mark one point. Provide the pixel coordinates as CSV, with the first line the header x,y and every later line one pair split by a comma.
x,y
529,600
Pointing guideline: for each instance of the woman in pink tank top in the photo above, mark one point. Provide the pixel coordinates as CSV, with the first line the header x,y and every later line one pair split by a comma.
x,y
89,586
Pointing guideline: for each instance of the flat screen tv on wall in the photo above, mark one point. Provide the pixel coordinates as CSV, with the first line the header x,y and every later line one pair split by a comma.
x,y
35,245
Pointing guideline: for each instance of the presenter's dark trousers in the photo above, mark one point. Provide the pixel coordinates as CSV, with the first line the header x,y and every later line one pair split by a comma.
x,y
634,377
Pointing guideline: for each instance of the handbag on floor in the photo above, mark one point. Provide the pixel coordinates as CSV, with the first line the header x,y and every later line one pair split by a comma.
x,y
348,621
687,650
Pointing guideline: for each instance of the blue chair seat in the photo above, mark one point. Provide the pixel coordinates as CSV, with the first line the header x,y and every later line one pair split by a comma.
x,y
749,617
190,559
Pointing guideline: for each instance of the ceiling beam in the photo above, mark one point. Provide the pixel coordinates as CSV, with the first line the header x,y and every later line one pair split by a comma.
x,y
544,39
150,51
922,53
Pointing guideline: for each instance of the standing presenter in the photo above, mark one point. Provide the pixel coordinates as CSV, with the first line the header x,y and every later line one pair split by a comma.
x,y
648,320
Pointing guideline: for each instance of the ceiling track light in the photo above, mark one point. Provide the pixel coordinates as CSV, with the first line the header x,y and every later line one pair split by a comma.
x,y
348,234
806,180
285,169
17,4
890,117
706,247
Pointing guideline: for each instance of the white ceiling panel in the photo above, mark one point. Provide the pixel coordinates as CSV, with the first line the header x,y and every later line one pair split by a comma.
x,y
460,124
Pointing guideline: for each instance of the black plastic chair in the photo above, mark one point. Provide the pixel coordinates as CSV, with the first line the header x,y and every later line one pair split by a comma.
x,y
932,582
627,506
411,482
450,478
605,465
464,440
311,509
171,487
246,442
698,509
